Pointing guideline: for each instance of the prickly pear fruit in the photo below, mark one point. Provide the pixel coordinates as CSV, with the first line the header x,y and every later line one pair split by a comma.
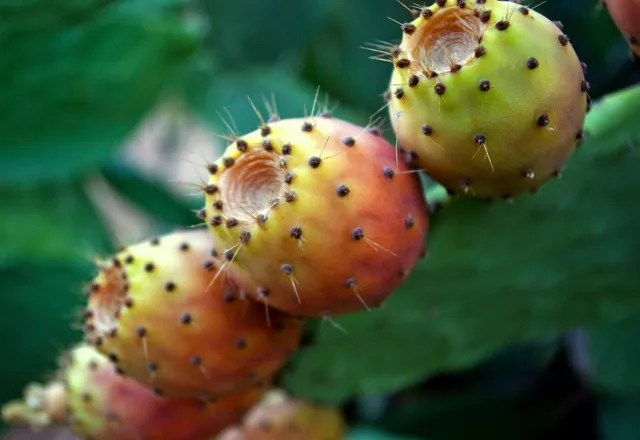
x,y
316,216
488,97
104,405
279,417
42,406
160,312
626,15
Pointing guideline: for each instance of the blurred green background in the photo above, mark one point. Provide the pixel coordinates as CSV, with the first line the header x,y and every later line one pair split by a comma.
x,y
521,323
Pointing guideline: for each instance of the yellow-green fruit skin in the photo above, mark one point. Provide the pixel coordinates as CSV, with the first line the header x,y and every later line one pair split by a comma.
x,y
503,121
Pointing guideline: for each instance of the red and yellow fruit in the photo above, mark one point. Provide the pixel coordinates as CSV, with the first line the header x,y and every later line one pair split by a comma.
x,y
166,316
488,97
99,404
316,216
626,15
106,406
280,417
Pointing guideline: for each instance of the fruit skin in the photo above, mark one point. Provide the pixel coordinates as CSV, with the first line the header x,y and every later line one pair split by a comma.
x,y
106,406
349,225
626,15
41,407
502,117
279,417
157,312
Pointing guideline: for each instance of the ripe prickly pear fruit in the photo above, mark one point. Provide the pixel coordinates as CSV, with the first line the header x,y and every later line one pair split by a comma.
x,y
41,407
316,215
279,417
488,97
104,405
626,15
160,312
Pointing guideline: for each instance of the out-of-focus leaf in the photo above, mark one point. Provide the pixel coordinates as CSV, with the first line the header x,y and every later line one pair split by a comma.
x,y
613,364
41,304
614,120
337,60
78,77
496,274
52,222
619,418
210,92
370,433
526,385
246,32
152,196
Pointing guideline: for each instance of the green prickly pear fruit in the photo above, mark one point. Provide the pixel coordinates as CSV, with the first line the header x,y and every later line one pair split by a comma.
x,y
488,97
316,215
626,15
280,417
161,313
104,405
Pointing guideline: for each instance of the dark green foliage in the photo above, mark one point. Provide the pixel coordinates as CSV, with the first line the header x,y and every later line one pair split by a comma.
x,y
619,418
151,196
613,365
249,32
226,102
77,78
337,58
367,433
527,386
40,319
49,222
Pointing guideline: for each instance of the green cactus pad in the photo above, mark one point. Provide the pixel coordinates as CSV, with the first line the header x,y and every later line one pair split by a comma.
x,y
612,367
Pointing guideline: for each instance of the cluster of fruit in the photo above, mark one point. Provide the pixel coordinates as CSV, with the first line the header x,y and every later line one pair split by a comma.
x,y
313,217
